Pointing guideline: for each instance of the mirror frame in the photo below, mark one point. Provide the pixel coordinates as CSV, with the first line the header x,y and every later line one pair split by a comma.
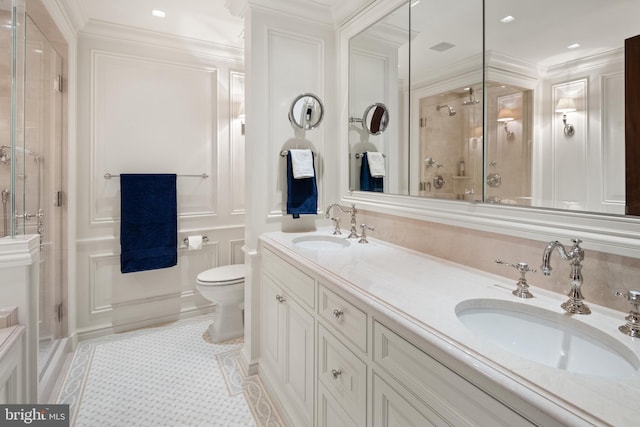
x,y
614,234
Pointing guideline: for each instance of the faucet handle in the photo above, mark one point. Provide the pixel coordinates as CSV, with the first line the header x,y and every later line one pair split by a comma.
x,y
522,267
522,290
632,296
576,241
632,327
336,226
363,235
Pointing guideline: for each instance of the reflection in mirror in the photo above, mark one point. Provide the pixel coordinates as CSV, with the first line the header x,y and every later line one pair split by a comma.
x,y
571,114
378,56
549,130
447,144
450,144
306,111
375,119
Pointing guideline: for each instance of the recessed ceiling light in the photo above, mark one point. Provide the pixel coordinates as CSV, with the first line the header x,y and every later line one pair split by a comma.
x,y
415,3
158,13
573,46
507,19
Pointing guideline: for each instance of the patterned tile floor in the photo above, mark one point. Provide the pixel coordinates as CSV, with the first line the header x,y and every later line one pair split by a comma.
x,y
166,376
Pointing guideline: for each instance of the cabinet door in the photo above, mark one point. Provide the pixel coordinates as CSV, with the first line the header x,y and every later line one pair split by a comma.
x,y
272,333
391,409
299,356
330,413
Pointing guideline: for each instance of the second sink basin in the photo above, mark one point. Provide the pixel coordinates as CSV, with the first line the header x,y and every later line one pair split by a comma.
x,y
547,337
320,242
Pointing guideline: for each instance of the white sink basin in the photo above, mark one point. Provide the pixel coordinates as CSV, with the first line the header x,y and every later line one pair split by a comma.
x,y
550,338
321,243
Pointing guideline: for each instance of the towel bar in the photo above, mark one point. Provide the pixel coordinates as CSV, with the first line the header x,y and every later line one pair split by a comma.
x,y
202,175
284,153
358,155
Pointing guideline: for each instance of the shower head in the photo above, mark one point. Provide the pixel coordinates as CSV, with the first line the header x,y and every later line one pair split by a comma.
x,y
472,100
452,112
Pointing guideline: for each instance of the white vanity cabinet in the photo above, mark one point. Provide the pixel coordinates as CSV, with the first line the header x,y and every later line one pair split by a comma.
x,y
288,336
334,359
442,395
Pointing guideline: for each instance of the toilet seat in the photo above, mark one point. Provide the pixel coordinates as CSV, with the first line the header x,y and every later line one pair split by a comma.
x,y
221,276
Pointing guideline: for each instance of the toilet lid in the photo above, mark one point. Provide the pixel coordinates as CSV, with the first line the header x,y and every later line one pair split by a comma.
x,y
227,273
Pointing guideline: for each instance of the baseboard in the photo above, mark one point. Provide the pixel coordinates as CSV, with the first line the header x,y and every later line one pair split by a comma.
x,y
100,331
248,367
54,369
275,399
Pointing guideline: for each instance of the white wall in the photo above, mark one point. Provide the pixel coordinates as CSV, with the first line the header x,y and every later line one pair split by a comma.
x,y
285,56
154,105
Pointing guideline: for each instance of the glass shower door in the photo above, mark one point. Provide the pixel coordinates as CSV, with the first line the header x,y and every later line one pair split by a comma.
x,y
42,179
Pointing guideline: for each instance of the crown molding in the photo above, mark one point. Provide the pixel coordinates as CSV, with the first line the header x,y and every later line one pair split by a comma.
x,y
75,14
109,31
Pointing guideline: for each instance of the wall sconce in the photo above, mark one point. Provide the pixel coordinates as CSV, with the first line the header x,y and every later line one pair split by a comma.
x,y
505,116
564,106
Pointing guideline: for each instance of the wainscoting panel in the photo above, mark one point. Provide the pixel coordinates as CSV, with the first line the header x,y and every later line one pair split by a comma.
x,y
296,66
154,108
613,143
570,152
152,116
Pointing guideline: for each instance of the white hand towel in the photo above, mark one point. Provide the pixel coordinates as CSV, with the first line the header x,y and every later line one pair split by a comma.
x,y
302,163
376,164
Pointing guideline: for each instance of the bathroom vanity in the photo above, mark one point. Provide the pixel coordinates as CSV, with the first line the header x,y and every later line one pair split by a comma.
x,y
375,334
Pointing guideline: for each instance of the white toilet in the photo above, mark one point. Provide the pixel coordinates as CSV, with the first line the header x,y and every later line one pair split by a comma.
x,y
224,286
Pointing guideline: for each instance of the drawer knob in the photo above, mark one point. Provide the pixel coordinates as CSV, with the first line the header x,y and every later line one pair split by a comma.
x,y
336,373
280,298
337,313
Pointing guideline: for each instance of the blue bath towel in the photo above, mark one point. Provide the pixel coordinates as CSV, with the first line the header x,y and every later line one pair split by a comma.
x,y
149,222
302,193
368,182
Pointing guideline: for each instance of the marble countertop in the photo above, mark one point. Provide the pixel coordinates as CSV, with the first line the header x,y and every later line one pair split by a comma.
x,y
421,293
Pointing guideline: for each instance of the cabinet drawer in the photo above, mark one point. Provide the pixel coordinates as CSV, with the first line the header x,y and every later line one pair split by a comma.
x,y
343,374
289,277
437,386
348,320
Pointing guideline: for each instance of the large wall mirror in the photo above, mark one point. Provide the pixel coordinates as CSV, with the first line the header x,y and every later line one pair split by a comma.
x,y
535,117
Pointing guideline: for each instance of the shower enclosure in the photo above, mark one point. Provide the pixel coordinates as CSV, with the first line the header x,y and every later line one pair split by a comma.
x,y
451,144
31,134
455,161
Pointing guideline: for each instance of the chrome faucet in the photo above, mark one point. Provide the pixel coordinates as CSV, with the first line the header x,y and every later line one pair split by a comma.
x,y
575,304
352,211
632,327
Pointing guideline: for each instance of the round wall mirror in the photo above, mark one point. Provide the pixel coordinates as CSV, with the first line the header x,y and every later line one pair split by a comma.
x,y
306,111
376,118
